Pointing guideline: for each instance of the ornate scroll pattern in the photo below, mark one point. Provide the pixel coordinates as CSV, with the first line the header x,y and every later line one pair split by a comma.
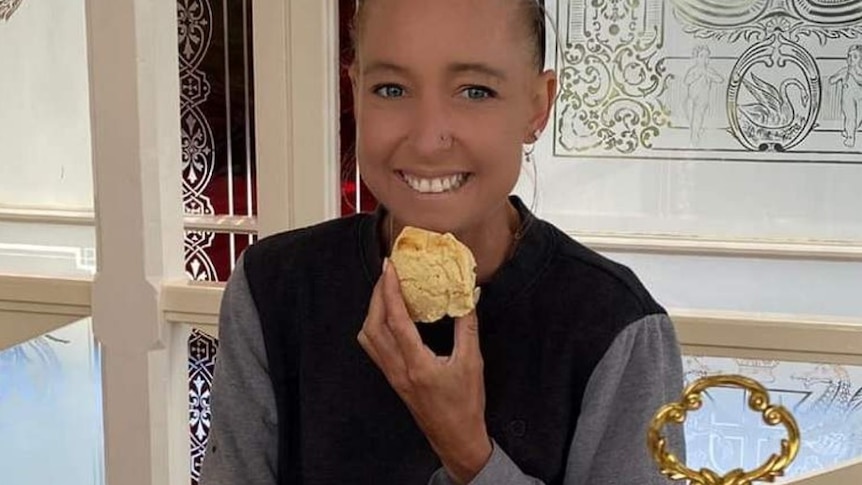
x,y
612,77
195,24
692,400
202,358
776,120
8,7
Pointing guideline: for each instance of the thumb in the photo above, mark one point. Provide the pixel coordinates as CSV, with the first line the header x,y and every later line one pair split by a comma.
x,y
467,337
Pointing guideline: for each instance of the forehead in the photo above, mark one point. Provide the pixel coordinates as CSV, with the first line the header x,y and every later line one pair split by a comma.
x,y
427,31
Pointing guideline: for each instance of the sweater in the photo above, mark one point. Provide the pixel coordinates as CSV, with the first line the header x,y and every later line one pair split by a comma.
x,y
577,359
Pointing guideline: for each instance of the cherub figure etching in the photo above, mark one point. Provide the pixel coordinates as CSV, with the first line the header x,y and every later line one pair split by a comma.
x,y
849,81
699,80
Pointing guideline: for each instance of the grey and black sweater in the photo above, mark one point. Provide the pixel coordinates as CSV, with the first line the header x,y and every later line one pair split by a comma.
x,y
578,357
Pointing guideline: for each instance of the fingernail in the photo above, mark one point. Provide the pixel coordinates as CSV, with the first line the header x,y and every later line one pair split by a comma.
x,y
477,292
385,264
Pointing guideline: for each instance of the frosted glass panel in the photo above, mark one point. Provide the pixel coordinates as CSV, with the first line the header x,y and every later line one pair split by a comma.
x,y
692,119
47,250
825,399
45,154
51,409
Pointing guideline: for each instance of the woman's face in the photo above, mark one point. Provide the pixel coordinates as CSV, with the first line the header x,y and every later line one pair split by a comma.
x,y
446,94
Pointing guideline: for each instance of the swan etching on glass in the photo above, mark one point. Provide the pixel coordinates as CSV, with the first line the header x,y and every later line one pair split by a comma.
x,y
773,107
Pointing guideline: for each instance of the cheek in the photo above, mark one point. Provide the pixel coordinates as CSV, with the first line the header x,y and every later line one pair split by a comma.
x,y
378,134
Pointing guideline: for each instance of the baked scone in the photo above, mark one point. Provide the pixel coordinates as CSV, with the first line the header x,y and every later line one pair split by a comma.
x,y
437,274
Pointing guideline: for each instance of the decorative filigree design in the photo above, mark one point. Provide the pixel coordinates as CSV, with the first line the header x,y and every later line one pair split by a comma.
x,y
202,357
199,265
756,20
692,400
195,25
8,7
612,77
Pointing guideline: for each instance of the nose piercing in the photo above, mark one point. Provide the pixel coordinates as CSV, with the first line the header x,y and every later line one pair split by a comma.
x,y
446,140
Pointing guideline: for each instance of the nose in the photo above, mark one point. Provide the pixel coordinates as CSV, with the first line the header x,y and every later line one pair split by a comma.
x,y
431,130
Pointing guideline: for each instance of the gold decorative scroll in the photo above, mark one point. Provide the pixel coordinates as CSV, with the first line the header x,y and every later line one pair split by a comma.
x,y
692,400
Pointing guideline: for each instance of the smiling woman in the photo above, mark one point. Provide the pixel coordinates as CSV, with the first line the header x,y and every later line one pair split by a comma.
x,y
322,375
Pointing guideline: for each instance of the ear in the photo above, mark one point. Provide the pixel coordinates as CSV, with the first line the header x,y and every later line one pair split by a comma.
x,y
544,95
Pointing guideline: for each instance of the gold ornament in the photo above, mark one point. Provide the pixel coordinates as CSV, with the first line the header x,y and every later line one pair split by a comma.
x,y
758,400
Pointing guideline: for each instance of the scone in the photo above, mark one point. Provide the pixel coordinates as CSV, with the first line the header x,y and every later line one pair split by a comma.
x,y
437,274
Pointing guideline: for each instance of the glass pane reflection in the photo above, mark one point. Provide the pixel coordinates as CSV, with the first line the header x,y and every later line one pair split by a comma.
x,y
826,400
51,409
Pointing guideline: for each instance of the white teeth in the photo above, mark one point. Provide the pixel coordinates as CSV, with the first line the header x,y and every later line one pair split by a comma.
x,y
435,185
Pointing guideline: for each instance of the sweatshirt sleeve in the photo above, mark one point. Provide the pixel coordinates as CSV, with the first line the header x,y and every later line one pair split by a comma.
x,y
640,372
243,440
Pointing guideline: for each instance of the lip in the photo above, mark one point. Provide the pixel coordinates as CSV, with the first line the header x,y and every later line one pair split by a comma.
x,y
430,175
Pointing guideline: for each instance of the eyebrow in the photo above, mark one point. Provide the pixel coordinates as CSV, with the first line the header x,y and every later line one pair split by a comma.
x,y
454,68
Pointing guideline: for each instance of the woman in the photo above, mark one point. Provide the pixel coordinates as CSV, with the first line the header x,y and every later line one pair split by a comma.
x,y
321,376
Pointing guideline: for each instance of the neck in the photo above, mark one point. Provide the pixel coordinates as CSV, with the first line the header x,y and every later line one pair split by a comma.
x,y
492,242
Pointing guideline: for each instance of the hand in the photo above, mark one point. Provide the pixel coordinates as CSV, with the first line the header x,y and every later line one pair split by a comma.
x,y
445,395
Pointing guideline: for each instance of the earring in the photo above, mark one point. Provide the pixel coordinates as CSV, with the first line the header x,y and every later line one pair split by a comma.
x,y
528,153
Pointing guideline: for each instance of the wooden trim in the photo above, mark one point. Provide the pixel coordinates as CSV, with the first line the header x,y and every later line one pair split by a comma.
x,y
192,303
70,296
781,337
796,250
228,224
848,473
47,216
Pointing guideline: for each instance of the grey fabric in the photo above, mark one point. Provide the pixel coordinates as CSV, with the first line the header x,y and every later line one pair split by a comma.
x,y
641,371
638,374
243,441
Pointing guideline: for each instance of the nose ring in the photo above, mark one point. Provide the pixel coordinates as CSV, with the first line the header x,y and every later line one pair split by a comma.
x,y
445,140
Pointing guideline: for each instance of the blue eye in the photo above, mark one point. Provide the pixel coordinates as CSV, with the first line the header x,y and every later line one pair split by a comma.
x,y
478,93
389,91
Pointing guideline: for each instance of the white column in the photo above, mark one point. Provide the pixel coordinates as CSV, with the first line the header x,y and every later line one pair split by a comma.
x,y
134,83
296,107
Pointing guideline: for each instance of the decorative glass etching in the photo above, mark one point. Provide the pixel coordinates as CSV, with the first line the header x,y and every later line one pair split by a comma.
x,y
217,122
825,399
202,358
659,76
8,7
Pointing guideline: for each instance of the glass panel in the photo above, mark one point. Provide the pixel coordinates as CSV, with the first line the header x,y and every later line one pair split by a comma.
x,y
826,401
202,357
51,409
217,117
47,250
45,153
211,256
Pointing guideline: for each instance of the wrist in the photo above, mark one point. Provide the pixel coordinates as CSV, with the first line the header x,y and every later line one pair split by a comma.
x,y
464,467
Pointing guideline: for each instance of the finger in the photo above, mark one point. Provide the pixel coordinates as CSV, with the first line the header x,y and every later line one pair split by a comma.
x,y
399,322
376,307
467,337
376,337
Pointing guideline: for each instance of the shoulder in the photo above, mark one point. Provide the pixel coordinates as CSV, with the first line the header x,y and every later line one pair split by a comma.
x,y
292,250
610,287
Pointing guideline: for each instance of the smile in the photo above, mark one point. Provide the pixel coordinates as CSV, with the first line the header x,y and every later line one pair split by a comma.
x,y
437,185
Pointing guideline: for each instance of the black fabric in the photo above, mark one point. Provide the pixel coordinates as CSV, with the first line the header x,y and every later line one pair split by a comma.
x,y
546,319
